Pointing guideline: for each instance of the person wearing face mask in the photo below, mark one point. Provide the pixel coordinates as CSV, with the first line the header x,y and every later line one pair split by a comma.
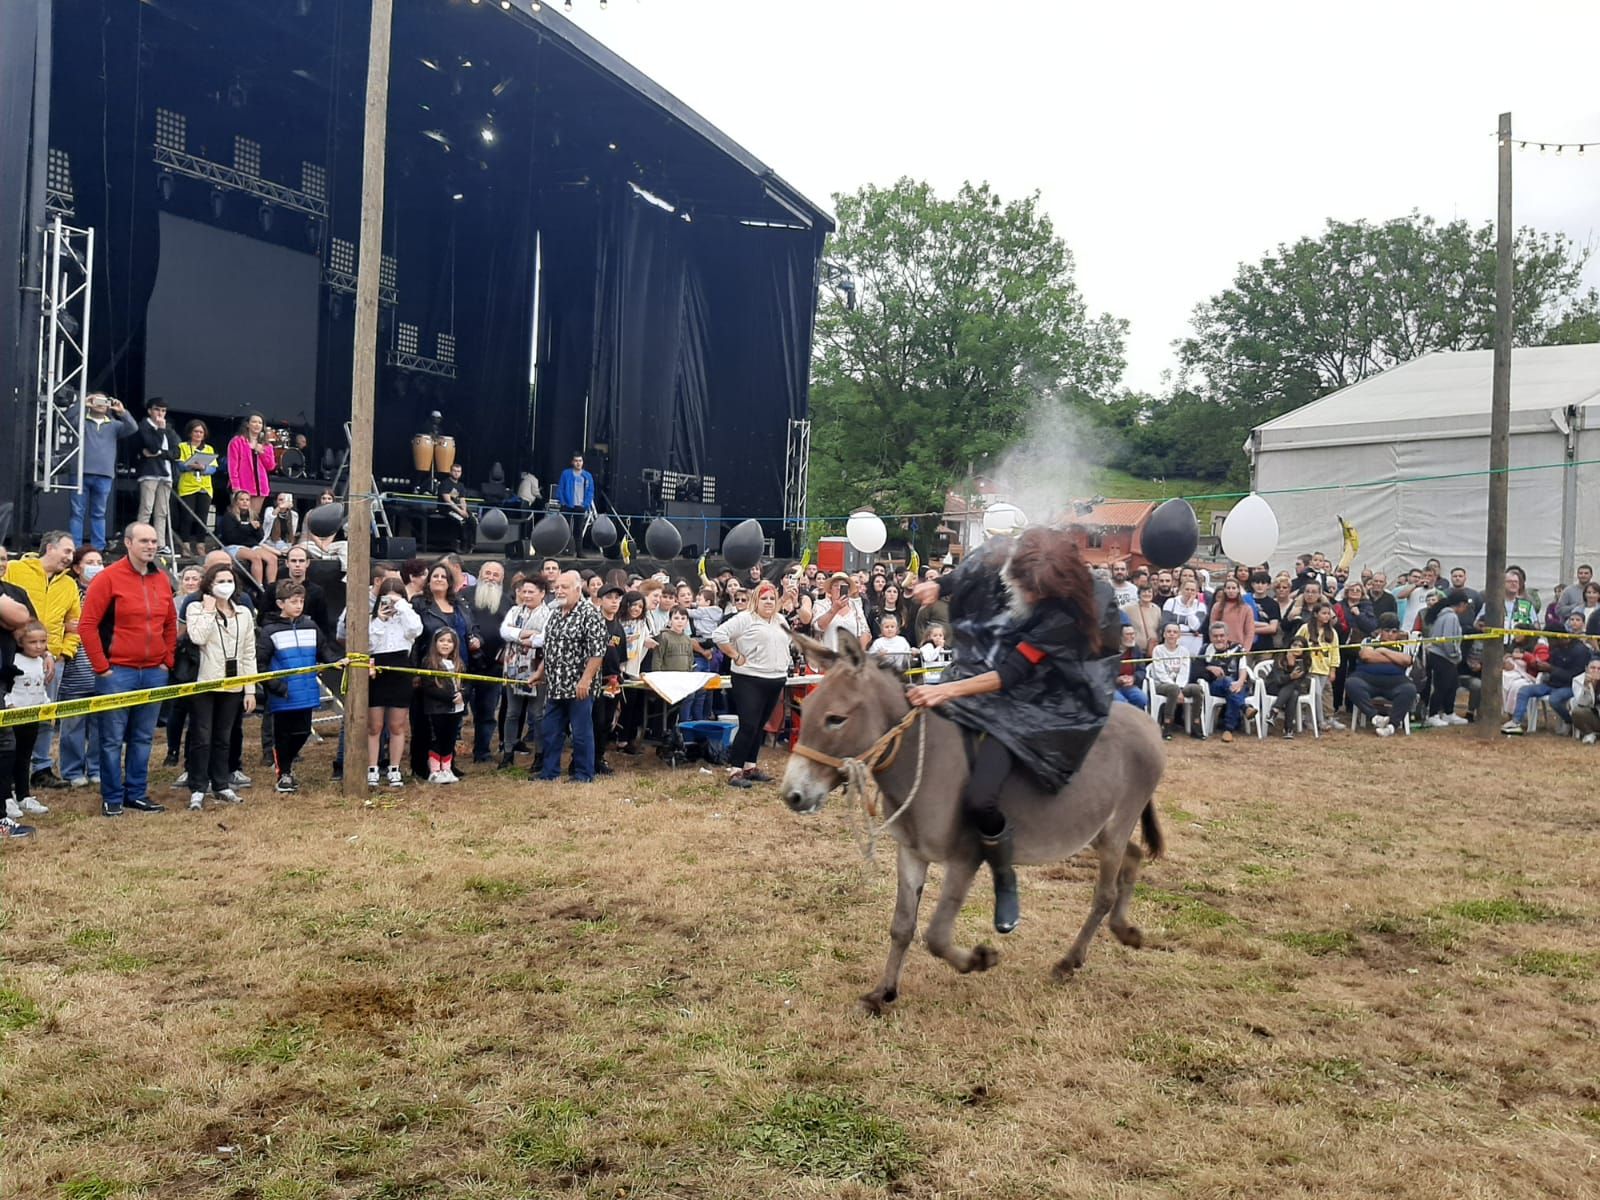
x,y
225,632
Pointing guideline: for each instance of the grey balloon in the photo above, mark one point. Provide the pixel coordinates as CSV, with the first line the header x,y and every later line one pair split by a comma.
x,y
743,545
662,539
492,524
325,519
603,532
551,535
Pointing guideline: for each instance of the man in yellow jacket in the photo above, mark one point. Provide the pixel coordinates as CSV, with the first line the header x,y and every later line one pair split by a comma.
x,y
53,590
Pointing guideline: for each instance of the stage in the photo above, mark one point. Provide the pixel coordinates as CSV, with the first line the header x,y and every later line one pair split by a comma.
x,y
573,260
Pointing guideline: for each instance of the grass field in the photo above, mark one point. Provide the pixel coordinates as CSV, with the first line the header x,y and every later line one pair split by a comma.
x,y
1370,970
1119,485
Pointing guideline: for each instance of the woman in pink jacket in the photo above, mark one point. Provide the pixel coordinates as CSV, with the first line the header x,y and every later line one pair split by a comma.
x,y
1235,612
250,462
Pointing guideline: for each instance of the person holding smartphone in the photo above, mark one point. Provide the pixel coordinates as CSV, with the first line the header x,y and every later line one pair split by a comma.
x,y
225,632
105,423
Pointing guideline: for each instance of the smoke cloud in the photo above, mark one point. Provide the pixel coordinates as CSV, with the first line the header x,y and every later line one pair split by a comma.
x,y
1053,463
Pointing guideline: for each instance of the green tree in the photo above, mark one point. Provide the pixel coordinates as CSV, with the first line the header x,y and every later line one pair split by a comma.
x,y
1580,324
1330,311
966,316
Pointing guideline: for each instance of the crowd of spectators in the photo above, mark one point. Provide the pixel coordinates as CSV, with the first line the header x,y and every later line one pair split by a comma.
x,y
557,657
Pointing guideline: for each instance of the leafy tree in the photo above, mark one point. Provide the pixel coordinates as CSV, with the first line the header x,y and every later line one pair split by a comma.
x,y
966,316
1580,324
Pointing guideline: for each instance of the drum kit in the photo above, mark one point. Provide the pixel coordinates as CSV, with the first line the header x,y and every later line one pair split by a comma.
x,y
434,452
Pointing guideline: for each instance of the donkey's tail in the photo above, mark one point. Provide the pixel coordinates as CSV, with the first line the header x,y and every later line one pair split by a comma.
x,y
1155,844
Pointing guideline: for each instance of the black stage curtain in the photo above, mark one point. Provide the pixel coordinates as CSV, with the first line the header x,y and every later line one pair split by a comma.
x,y
17,57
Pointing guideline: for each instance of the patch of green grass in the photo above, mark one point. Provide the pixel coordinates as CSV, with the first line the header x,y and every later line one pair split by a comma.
x,y
1500,912
1319,942
548,1136
1590,1114
1182,1057
1185,912
120,963
89,1187
1557,964
89,938
474,925
830,1135
1339,1070
491,888
16,1011
537,982
274,1044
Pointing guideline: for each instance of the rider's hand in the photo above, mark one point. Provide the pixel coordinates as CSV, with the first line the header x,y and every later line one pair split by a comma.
x,y
926,592
928,695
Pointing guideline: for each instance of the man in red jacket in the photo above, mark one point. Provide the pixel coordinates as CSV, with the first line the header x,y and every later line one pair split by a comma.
x,y
130,630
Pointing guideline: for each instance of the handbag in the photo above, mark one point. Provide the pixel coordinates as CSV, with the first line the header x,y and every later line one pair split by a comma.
x,y
186,662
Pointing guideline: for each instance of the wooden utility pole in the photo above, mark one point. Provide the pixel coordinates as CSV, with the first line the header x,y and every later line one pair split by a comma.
x,y
362,386
1490,713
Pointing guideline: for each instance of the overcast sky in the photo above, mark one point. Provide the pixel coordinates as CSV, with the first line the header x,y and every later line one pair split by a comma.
x,y
1169,141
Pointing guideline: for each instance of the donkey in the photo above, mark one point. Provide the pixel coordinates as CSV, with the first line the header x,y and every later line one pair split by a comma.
x,y
861,701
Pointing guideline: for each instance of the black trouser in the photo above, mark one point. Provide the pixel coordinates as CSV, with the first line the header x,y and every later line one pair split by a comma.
x,y
1361,689
753,698
211,724
17,776
177,718
190,514
604,709
444,729
266,732
235,740
631,726
292,728
981,801
1444,678
419,736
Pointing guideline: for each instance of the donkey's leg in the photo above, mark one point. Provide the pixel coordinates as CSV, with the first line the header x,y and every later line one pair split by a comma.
x,y
912,873
1105,896
1126,932
958,876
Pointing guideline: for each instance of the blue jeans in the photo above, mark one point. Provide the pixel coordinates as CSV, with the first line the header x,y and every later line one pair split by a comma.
x,y
133,728
698,706
1233,715
94,495
1560,698
485,702
41,748
558,714
80,748
1132,695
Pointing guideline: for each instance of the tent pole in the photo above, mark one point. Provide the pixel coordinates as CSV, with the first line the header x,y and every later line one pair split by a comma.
x,y
1490,714
1569,500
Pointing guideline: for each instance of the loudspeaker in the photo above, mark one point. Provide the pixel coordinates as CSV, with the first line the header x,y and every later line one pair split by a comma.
x,y
53,510
398,549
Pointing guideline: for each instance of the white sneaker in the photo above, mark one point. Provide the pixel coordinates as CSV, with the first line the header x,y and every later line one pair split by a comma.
x,y
1336,724
1512,727
1383,730
372,776
13,809
1452,719
197,801
230,796
1437,722
449,776
437,777
395,778
1382,722
31,805
1589,739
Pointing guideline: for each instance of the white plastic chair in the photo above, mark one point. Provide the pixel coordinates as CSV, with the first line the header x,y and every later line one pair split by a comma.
x,y
1260,700
1152,699
1310,701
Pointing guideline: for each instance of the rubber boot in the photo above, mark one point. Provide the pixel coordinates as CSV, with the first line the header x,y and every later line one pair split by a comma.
x,y
1007,903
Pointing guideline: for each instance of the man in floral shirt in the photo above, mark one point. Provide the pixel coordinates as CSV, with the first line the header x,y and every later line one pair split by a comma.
x,y
574,640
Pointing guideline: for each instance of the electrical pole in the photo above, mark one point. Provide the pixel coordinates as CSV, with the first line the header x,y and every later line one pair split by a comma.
x,y
1489,703
362,386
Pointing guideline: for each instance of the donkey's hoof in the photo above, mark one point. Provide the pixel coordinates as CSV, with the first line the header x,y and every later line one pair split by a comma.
x,y
876,1003
981,957
1129,936
1065,969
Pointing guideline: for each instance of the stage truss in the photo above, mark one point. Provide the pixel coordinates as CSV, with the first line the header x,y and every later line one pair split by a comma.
x,y
796,474
66,291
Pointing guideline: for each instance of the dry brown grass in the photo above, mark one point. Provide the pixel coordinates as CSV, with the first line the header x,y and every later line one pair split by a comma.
x,y
1371,971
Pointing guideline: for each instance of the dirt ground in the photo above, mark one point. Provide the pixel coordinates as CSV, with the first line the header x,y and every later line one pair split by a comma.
x,y
1370,970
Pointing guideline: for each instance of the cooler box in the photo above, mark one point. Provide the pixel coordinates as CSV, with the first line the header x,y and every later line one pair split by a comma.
x,y
718,734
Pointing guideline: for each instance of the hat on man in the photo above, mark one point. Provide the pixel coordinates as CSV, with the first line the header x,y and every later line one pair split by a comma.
x,y
613,590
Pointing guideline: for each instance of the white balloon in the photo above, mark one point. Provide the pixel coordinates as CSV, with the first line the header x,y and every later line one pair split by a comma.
x,y
1250,532
1004,519
866,532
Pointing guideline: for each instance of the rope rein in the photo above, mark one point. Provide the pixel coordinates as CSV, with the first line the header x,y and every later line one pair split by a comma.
x,y
860,777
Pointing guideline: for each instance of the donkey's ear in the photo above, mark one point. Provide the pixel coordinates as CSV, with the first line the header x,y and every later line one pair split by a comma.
x,y
850,652
818,655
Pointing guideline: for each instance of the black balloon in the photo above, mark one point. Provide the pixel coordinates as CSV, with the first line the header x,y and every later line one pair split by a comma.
x,y
662,539
492,524
743,545
325,519
603,532
551,534
1170,535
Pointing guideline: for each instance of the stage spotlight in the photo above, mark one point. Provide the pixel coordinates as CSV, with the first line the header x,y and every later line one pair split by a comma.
x,y
602,3
458,196
488,134
506,4
534,7
168,183
264,217
313,232
217,201
568,5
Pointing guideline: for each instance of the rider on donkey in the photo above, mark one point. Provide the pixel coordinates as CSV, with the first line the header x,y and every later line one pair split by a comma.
x,y
1037,654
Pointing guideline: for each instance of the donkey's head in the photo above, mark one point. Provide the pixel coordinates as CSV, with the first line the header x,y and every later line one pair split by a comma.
x,y
858,701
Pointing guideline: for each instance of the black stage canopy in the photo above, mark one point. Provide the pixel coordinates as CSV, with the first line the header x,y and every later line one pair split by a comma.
x,y
545,203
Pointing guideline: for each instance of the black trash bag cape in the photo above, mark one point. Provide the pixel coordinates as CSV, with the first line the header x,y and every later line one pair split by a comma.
x,y
1050,719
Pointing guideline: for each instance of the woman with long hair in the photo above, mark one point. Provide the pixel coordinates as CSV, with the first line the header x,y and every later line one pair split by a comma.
x,y
280,525
225,632
439,607
194,486
638,642
239,531
394,629
251,460
80,736
1443,620
444,702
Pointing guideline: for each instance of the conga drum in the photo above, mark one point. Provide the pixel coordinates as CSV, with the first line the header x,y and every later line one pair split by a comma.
x,y
422,452
444,454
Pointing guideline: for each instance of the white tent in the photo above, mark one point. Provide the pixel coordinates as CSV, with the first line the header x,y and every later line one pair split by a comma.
x,y
1404,456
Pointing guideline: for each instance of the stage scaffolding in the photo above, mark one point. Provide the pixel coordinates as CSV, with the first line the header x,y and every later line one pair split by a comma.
x,y
66,291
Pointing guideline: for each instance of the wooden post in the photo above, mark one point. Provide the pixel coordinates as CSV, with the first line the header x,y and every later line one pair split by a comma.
x,y
362,386
1490,714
